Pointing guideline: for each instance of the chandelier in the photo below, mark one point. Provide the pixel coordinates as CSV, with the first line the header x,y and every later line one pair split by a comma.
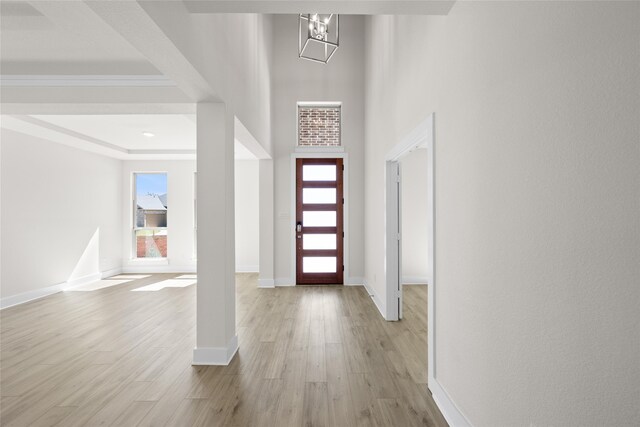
x,y
318,36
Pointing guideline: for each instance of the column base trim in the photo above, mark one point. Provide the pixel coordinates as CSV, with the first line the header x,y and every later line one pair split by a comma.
x,y
215,355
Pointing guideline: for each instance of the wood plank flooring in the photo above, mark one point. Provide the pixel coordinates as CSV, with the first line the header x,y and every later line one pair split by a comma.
x,y
309,356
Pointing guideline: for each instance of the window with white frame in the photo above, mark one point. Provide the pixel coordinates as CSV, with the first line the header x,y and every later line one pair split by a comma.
x,y
150,210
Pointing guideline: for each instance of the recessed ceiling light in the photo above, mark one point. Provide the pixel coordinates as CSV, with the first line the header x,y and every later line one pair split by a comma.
x,y
148,134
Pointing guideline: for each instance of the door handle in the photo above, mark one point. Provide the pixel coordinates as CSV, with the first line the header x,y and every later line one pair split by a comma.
x,y
299,227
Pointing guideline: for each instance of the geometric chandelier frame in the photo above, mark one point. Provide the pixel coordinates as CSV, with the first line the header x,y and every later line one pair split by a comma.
x,y
318,36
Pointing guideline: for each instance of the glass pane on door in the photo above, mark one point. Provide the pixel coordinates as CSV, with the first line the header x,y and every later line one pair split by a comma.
x,y
319,264
319,218
319,172
318,195
319,241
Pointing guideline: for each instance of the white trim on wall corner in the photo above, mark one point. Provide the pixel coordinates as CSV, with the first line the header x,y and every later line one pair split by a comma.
x,y
247,268
449,410
415,280
215,355
376,301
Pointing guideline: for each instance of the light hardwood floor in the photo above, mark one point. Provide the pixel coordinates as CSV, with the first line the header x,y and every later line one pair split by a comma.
x,y
312,356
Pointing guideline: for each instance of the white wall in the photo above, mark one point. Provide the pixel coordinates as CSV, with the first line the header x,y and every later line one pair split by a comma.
x,y
247,216
415,236
232,52
60,214
180,216
299,80
537,184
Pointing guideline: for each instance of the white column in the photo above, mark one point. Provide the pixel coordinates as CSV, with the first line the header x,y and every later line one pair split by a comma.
x,y
216,339
267,225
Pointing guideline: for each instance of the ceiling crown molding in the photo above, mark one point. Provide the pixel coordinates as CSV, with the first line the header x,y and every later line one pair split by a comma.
x,y
86,80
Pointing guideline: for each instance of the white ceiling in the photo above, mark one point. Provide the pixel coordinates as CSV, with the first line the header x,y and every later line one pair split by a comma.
x,y
121,135
171,131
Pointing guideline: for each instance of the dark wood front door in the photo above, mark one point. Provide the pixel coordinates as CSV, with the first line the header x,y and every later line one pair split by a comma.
x,y
319,221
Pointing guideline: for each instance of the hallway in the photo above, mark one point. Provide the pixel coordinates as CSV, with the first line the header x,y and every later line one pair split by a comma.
x,y
308,356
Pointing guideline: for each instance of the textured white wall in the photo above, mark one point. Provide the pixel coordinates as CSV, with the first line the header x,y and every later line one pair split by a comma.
x,y
537,194
54,200
180,215
247,216
415,235
298,80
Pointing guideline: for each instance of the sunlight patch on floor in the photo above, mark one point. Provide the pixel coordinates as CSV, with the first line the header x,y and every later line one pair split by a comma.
x,y
170,283
130,276
188,276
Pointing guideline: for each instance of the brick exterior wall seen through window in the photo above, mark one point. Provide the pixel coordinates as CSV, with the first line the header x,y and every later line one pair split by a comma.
x,y
318,126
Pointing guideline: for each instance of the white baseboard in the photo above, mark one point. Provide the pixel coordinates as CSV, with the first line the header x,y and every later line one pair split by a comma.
x,y
376,301
415,280
215,355
266,283
13,300
112,272
449,410
247,268
35,294
354,281
74,283
285,282
150,269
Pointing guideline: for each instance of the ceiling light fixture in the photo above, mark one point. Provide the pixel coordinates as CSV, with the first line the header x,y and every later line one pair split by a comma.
x,y
148,134
318,36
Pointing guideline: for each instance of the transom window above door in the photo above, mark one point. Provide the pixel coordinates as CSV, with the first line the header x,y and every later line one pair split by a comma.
x,y
319,125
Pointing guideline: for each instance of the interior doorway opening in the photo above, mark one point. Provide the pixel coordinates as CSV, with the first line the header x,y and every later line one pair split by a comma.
x,y
420,139
414,235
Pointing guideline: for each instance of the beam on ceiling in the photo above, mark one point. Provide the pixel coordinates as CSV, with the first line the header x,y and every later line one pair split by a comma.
x,y
87,100
74,108
130,20
90,80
